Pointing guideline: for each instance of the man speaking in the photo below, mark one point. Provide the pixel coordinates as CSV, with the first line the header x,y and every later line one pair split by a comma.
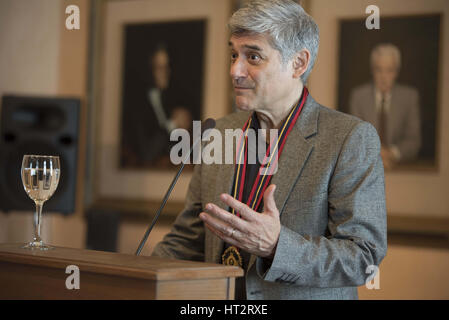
x,y
313,228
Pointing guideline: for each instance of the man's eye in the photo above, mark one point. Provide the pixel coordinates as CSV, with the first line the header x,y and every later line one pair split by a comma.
x,y
233,56
254,57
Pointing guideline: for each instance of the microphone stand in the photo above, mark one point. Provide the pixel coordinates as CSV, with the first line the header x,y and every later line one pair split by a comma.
x,y
164,201
208,124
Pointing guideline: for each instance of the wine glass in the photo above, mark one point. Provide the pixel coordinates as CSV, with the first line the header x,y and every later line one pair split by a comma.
x,y
40,178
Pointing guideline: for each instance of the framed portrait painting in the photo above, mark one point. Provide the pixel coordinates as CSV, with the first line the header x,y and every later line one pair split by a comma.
x,y
158,65
162,86
343,78
409,98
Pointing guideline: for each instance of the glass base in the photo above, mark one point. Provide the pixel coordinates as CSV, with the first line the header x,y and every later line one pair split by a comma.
x,y
37,245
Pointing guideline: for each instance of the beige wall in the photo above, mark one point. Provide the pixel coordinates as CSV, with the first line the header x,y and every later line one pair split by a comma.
x,y
29,64
411,273
72,81
37,55
29,35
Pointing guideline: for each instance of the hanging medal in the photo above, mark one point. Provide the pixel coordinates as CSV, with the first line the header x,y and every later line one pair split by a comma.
x,y
231,256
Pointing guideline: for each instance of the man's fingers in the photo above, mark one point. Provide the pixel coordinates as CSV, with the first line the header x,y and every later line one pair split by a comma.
x,y
246,212
226,238
227,217
216,223
268,200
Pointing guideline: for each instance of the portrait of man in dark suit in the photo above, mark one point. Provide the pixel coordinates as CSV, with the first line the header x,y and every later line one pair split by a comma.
x,y
391,107
161,91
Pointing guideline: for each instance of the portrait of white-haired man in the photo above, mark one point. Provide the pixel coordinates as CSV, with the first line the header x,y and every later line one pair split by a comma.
x,y
391,107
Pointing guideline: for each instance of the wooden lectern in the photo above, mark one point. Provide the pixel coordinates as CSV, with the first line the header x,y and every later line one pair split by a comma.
x,y
31,274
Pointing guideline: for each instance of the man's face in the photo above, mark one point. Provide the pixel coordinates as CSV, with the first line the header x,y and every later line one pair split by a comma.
x,y
385,71
161,69
260,80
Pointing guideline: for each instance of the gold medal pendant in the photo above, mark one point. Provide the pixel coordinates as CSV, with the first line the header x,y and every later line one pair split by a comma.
x,y
232,257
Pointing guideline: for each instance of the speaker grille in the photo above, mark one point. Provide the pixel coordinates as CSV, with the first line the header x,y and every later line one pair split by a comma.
x,y
41,126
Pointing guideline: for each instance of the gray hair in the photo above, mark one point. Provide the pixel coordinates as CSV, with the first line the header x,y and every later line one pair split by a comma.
x,y
288,27
384,49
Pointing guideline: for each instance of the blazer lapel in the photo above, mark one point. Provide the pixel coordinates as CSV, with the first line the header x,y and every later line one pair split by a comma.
x,y
296,151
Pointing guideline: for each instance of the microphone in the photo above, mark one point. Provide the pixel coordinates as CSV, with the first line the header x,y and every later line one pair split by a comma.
x,y
207,124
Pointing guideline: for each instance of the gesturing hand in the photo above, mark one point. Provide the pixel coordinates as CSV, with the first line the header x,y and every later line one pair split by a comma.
x,y
256,233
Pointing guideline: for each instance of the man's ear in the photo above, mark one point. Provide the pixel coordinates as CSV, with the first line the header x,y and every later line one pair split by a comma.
x,y
301,62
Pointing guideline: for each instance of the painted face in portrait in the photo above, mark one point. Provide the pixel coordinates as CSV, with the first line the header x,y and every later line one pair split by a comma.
x,y
385,71
161,69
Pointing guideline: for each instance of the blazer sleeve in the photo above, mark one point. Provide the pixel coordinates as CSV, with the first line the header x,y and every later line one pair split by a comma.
x,y
356,223
185,241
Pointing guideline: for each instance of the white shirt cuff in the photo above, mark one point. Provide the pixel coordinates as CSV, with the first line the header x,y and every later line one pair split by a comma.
x,y
396,153
170,126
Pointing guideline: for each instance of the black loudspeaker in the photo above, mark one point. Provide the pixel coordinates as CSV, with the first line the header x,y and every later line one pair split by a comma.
x,y
39,126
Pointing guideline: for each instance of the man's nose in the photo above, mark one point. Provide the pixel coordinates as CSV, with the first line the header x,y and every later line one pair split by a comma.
x,y
238,69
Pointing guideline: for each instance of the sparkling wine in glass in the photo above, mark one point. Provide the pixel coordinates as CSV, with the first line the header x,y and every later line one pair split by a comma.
x,y
40,178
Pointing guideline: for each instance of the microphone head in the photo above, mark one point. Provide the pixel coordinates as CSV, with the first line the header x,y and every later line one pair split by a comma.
x,y
207,124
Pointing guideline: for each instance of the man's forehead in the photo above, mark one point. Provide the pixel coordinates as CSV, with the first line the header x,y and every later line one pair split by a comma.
x,y
384,59
256,41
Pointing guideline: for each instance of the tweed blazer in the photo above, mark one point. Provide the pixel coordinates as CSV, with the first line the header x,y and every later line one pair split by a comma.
x,y
331,198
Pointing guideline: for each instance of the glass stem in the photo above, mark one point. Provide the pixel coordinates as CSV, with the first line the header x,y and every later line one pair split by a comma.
x,y
37,221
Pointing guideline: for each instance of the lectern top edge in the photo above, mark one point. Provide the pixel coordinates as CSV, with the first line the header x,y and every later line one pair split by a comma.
x,y
144,267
